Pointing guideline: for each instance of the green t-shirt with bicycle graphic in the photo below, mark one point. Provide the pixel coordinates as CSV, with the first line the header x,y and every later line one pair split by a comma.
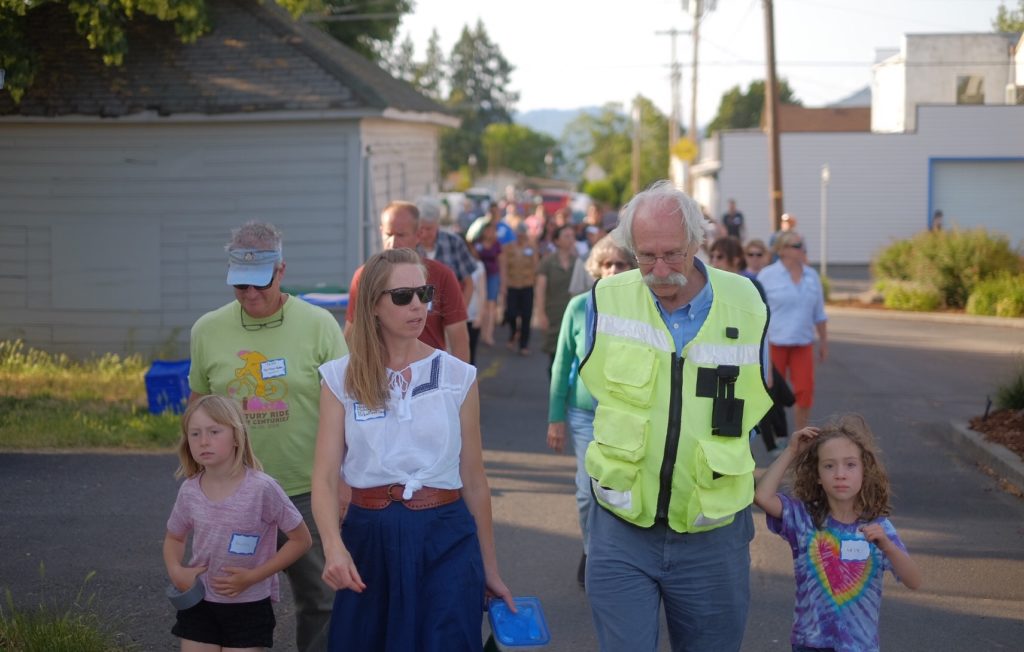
x,y
270,366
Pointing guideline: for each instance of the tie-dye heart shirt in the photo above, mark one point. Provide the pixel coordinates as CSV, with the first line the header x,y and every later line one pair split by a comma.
x,y
838,579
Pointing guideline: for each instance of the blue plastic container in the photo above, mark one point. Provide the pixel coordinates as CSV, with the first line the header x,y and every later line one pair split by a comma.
x,y
525,628
167,386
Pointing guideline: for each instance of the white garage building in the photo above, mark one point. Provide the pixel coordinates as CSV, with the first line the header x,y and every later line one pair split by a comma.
x,y
120,186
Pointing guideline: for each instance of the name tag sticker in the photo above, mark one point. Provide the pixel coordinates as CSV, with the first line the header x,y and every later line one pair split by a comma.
x,y
243,544
364,413
274,368
854,550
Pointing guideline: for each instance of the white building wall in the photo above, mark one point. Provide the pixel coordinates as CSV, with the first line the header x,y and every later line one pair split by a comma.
x,y
926,72
113,233
403,163
888,99
879,186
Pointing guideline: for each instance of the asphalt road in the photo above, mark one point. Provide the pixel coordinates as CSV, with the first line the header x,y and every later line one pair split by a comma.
x,y
65,516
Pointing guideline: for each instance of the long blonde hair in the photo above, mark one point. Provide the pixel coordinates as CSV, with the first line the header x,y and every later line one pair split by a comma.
x,y
226,412
366,379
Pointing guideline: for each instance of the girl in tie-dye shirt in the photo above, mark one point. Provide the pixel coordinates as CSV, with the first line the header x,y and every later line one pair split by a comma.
x,y
836,526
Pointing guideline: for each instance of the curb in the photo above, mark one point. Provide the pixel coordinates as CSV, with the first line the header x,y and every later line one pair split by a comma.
x,y
946,317
973,444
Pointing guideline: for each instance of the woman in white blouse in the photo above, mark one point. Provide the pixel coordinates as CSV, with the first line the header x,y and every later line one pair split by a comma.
x,y
401,420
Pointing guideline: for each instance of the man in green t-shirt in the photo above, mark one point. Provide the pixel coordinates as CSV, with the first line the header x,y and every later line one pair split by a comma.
x,y
263,349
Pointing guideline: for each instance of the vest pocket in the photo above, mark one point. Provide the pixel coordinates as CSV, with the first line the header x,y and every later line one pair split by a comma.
x,y
630,372
725,477
616,484
620,435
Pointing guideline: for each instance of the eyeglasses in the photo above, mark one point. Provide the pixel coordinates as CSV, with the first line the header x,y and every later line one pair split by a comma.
x,y
755,254
617,264
403,296
796,245
274,323
671,258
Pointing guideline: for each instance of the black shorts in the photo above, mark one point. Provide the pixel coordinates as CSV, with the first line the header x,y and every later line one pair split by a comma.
x,y
242,624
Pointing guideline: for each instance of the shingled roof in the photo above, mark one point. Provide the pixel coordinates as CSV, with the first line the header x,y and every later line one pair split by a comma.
x,y
254,59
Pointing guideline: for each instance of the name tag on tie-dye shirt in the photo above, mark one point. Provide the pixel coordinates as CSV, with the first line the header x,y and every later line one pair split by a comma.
x,y
854,550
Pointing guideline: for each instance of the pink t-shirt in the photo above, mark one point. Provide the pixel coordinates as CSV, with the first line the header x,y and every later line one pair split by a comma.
x,y
238,531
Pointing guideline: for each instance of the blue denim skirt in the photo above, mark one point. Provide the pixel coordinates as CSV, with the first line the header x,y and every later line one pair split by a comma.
x,y
424,581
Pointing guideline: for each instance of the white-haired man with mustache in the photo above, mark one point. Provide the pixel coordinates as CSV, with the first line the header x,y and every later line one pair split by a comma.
x,y
675,364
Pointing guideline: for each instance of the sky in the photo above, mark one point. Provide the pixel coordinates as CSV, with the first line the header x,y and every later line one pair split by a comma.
x,y
576,53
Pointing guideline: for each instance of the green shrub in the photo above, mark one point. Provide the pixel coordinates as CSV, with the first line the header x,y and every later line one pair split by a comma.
x,y
1002,296
908,295
953,262
1010,396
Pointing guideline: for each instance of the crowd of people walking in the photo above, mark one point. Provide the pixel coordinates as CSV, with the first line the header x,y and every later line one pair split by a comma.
x,y
361,447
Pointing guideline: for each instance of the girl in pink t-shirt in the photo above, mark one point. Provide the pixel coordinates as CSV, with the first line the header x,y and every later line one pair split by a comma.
x,y
233,511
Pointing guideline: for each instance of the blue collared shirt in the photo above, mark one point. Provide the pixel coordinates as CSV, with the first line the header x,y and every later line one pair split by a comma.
x,y
796,307
683,323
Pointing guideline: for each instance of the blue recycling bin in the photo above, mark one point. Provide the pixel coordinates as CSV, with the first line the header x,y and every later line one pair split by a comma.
x,y
167,385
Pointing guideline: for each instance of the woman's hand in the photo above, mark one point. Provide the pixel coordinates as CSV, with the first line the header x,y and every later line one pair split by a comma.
x,y
340,572
556,436
495,588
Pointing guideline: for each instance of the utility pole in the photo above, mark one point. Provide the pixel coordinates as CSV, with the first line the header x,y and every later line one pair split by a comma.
x,y
697,9
771,112
637,118
675,77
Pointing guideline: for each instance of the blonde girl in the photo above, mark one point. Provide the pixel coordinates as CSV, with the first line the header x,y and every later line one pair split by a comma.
x,y
836,524
233,511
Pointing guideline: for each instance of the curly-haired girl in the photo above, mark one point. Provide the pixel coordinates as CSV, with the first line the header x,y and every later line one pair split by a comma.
x,y
842,542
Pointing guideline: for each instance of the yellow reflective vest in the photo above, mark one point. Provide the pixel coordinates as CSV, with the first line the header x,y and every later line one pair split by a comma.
x,y
671,433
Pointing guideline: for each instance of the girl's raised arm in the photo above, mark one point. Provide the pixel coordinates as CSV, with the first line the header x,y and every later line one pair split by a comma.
x,y
766,493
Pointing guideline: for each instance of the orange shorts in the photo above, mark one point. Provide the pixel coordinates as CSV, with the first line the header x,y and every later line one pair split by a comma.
x,y
796,364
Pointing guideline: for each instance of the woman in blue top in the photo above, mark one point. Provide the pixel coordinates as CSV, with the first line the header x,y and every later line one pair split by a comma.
x,y
797,304
568,399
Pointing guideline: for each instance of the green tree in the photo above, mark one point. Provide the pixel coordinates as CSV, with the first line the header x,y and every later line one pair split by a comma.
x,y
103,24
374,24
431,73
739,110
1009,20
606,138
479,79
517,148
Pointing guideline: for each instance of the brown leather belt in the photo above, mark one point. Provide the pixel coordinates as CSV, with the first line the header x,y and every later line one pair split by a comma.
x,y
382,496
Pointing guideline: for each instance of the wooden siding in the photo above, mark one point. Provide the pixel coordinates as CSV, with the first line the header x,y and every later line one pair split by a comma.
x,y
120,186
878,190
402,163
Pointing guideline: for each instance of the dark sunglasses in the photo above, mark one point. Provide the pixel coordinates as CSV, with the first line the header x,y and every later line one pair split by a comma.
x,y
796,245
403,296
243,288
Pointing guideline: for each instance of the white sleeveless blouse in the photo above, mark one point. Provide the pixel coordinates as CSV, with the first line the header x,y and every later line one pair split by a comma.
x,y
417,438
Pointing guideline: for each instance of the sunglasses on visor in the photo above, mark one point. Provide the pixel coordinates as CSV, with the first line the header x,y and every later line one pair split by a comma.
x,y
403,296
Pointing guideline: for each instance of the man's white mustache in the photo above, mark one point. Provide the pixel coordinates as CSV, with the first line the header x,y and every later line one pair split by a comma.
x,y
677,279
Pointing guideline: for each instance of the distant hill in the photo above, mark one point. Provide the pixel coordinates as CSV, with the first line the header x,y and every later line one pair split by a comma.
x,y
551,121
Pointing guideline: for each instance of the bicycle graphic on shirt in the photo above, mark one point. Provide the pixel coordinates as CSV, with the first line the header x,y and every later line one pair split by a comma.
x,y
249,380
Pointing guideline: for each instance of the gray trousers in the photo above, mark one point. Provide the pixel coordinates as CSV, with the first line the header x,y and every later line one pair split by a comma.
x,y
313,598
703,580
